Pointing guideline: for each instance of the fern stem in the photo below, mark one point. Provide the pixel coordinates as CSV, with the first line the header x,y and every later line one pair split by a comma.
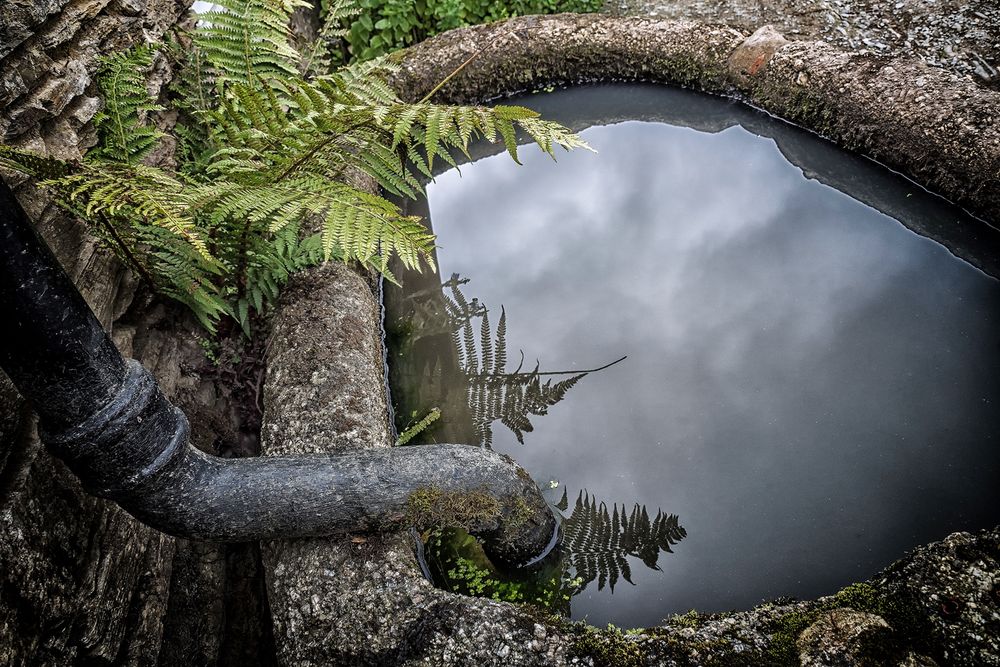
x,y
247,42
130,257
203,104
243,265
458,69
320,146
533,374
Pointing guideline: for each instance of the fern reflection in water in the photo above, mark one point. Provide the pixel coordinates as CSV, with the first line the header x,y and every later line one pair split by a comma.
x,y
480,363
462,366
802,368
597,544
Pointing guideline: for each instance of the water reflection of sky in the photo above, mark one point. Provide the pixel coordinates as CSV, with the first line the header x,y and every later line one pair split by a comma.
x,y
809,385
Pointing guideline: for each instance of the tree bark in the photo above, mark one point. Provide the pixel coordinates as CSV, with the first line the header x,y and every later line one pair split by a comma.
x,y
81,582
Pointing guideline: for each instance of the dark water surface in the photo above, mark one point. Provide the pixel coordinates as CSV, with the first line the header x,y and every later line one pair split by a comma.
x,y
811,387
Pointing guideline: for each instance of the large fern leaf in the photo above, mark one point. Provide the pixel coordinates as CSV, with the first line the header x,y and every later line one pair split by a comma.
x,y
248,41
268,142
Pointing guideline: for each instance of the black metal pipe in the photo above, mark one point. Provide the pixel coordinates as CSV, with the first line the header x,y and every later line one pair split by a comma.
x,y
108,420
55,350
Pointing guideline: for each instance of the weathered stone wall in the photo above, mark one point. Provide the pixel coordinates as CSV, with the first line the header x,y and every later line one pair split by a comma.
x,y
935,126
48,57
959,35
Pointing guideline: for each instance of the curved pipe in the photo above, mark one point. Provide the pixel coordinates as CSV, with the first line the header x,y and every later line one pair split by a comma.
x,y
108,420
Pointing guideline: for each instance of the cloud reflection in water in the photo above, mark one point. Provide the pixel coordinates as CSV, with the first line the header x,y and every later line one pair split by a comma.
x,y
810,386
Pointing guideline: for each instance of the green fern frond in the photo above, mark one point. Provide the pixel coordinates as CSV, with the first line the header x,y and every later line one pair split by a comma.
x,y
185,275
248,41
548,135
124,133
194,95
355,224
368,82
143,195
418,428
319,59
40,167
266,142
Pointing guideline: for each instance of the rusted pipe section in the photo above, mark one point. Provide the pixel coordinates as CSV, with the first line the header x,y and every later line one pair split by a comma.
x,y
107,419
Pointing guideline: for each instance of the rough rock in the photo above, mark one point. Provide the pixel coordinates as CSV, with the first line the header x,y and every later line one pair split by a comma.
x,y
958,35
954,586
754,52
844,638
48,56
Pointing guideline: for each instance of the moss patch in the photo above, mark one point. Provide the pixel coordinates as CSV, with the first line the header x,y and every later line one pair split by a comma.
x,y
607,648
611,647
905,618
783,649
690,619
520,513
431,507
863,597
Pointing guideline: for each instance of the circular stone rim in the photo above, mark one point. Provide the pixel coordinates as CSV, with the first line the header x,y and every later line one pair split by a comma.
x,y
936,127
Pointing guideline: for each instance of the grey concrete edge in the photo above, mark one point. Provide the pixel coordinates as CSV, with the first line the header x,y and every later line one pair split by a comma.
x,y
951,144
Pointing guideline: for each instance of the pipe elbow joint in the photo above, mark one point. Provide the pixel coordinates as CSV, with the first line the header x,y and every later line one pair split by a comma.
x,y
135,451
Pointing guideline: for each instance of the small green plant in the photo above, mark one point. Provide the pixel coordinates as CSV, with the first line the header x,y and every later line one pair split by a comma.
x,y
387,25
472,579
211,349
419,427
465,570
268,140
689,619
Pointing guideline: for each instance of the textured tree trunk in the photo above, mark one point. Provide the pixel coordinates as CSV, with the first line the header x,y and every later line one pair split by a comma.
x,y
81,582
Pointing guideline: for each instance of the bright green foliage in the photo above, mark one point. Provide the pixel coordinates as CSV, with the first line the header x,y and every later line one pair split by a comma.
x,y
267,147
470,578
247,40
386,25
